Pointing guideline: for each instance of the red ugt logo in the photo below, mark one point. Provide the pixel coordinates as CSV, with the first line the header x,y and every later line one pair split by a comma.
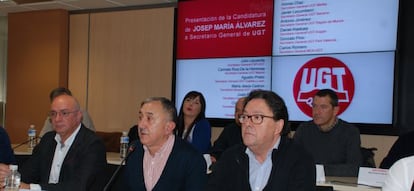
x,y
323,73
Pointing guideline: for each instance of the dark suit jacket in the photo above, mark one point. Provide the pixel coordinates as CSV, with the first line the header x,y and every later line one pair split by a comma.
x,y
231,135
185,169
6,152
293,169
403,147
85,159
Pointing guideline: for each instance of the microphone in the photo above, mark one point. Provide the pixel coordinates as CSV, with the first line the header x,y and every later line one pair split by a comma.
x,y
115,174
25,142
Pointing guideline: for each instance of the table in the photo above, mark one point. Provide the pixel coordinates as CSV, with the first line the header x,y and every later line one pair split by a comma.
x,y
113,158
346,184
21,149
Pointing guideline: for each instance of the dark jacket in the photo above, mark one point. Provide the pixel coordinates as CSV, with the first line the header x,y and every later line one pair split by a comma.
x,y
231,135
293,170
85,160
6,152
403,147
185,169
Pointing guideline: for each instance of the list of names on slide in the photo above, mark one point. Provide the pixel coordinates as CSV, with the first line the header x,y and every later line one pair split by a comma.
x,y
304,27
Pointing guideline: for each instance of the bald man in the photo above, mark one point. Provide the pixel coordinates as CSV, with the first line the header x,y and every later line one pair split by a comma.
x,y
231,134
68,158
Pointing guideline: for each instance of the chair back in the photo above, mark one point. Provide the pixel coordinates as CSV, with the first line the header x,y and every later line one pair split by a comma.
x,y
368,157
111,140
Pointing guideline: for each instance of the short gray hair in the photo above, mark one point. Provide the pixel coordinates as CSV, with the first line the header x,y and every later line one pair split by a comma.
x,y
167,105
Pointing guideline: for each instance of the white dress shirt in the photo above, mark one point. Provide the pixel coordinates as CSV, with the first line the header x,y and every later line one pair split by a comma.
x,y
60,153
259,173
400,176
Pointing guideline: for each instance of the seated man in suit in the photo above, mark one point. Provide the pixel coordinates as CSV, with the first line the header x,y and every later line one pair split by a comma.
x,y
269,159
231,134
86,119
68,158
332,142
162,161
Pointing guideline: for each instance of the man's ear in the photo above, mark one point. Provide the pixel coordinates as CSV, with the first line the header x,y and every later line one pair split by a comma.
x,y
170,126
336,110
279,126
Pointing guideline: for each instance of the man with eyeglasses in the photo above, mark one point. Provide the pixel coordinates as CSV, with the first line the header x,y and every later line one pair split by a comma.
x,y
86,119
333,142
69,158
268,160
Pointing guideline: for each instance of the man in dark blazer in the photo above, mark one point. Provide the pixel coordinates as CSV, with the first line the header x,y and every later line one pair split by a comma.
x,y
231,134
6,151
68,158
403,147
162,161
268,160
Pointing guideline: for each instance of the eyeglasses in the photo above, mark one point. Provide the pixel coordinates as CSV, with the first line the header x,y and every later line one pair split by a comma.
x,y
64,114
255,119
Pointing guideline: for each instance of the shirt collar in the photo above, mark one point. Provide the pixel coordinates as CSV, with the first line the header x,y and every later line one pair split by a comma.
x,y
170,141
69,140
